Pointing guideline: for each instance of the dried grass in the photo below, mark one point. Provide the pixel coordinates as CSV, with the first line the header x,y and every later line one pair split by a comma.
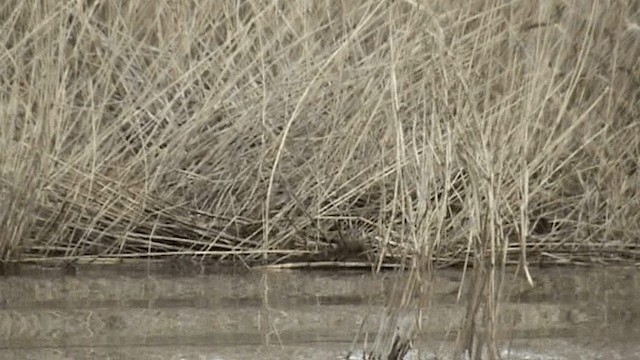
x,y
406,132
270,133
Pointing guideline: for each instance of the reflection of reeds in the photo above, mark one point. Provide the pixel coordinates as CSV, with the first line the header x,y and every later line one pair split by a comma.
x,y
395,337
477,335
399,324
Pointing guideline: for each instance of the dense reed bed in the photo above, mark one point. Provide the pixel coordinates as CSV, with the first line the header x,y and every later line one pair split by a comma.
x,y
271,132
411,132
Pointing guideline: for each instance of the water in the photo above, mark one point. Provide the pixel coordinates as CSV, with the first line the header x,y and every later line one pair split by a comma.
x,y
158,311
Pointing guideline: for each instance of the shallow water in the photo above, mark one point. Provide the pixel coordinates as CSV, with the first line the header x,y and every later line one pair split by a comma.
x,y
158,311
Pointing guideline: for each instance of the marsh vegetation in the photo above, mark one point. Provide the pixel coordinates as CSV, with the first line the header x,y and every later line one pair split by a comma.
x,y
406,133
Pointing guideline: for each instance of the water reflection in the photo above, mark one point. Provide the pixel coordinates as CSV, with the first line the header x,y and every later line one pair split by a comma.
x,y
193,312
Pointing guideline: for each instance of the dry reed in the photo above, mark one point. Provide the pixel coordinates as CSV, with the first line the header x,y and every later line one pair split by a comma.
x,y
268,132
381,132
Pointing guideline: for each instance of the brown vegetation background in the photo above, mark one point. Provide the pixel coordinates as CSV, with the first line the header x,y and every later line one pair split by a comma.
x,y
271,131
